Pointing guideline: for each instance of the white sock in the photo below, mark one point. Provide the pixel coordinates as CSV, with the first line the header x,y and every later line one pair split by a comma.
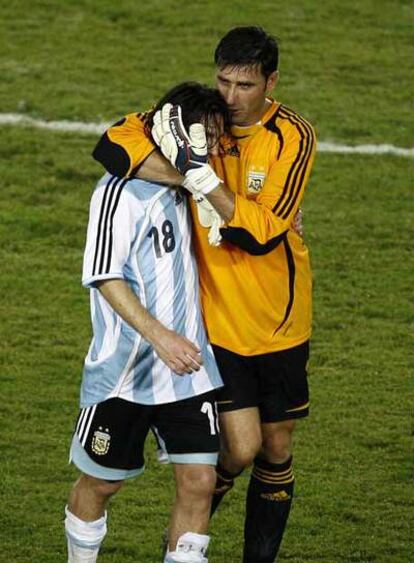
x,y
191,548
84,538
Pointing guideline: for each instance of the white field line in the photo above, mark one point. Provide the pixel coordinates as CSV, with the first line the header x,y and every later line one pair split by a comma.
x,y
66,126
99,128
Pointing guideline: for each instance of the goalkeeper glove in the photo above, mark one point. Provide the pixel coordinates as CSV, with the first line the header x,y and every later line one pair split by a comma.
x,y
208,217
214,236
184,151
187,152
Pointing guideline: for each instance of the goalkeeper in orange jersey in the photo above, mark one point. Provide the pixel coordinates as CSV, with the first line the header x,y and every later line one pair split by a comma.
x,y
254,267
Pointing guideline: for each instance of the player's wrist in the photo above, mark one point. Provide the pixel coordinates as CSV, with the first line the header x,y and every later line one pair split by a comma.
x,y
201,180
153,330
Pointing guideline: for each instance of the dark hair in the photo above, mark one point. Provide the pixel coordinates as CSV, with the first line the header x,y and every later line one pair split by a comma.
x,y
198,103
249,45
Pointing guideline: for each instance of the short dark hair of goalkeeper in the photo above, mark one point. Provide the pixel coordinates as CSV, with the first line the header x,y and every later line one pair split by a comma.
x,y
247,71
248,46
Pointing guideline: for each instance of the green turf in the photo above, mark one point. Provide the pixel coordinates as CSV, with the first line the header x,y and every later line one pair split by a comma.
x,y
345,66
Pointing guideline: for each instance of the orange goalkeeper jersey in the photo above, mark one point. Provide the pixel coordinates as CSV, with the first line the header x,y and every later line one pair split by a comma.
x,y
256,287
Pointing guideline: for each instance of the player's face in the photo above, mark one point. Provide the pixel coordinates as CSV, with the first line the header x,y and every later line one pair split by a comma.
x,y
244,89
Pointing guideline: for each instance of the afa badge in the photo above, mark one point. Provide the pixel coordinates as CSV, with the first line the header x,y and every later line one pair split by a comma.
x,y
101,441
255,182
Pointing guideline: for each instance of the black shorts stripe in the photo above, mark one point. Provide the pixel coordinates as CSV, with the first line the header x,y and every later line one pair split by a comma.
x,y
297,171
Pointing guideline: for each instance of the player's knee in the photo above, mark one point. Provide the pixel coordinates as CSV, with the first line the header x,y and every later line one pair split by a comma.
x,y
109,488
101,487
196,481
277,452
239,456
277,446
235,461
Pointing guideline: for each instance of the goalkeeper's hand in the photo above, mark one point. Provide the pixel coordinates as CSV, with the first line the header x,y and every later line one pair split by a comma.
x,y
209,218
187,152
184,150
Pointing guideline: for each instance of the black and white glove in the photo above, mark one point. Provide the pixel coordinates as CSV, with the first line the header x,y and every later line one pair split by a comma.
x,y
187,152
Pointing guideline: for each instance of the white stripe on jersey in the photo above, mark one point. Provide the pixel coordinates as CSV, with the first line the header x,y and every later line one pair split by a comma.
x,y
191,323
125,385
92,306
113,327
163,269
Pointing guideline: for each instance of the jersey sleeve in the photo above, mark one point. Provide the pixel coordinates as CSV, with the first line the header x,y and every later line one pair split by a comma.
x,y
259,225
110,234
124,146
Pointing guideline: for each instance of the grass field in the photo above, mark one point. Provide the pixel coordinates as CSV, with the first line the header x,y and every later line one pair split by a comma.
x,y
345,66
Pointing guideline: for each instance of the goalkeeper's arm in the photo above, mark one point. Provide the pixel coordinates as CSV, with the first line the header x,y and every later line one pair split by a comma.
x,y
156,168
223,201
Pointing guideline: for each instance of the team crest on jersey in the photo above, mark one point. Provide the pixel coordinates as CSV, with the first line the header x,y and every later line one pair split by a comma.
x,y
255,181
100,441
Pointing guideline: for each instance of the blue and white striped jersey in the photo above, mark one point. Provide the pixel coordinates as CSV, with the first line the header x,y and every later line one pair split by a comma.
x,y
141,232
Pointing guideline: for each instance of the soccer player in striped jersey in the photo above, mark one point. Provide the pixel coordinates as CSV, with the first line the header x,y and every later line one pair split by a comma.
x,y
149,364
256,285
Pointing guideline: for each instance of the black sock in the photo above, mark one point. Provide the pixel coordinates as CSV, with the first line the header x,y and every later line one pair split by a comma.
x,y
268,503
225,481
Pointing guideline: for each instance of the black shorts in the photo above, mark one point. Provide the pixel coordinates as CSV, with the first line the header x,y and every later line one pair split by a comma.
x,y
276,383
108,442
